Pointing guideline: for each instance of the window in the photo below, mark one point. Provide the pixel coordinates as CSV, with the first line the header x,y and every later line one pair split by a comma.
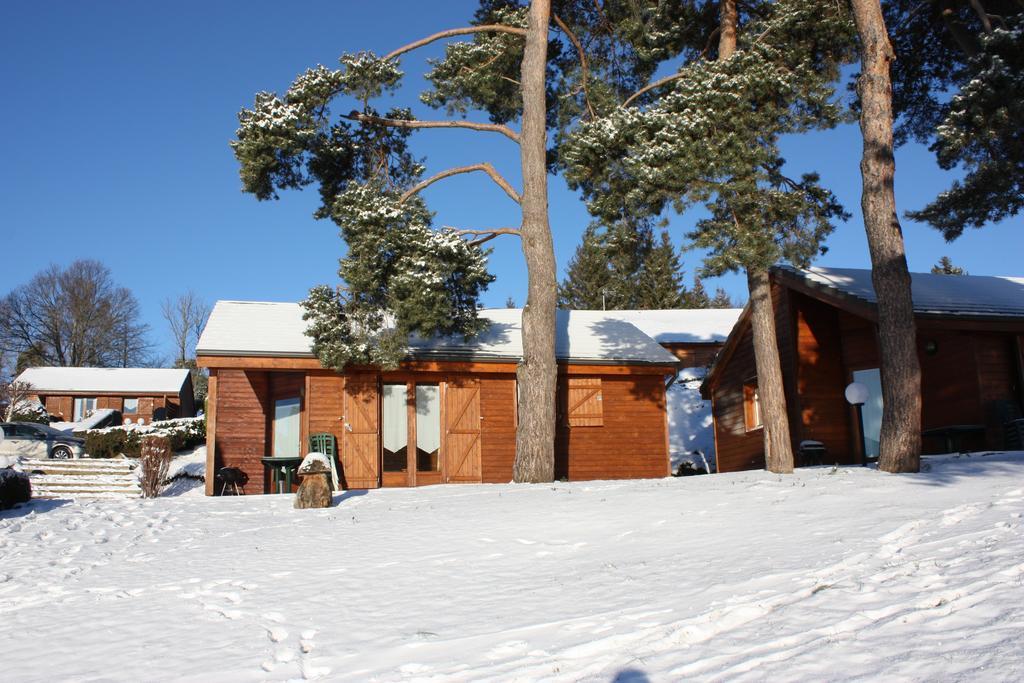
x,y
131,406
286,427
751,407
395,417
83,406
585,405
872,410
428,428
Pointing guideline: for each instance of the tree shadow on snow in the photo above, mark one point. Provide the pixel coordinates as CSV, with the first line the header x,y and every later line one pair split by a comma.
x,y
631,676
336,500
39,506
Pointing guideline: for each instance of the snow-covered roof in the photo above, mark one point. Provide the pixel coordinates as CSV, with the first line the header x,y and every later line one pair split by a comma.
x,y
673,326
105,380
961,295
252,328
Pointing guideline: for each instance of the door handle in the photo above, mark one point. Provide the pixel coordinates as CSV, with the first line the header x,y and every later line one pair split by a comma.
x,y
348,426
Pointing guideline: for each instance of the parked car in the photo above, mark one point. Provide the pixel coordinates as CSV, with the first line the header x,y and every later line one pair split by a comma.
x,y
32,440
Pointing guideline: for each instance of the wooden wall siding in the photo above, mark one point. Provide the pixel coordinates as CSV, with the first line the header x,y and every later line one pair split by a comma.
x,y
325,405
998,384
498,428
63,406
630,444
694,355
736,448
242,407
462,436
821,381
360,452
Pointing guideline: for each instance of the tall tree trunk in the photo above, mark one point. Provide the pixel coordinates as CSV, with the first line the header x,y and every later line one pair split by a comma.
x,y
538,373
900,439
727,25
778,445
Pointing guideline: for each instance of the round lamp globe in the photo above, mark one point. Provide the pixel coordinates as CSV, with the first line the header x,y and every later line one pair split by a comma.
x,y
857,394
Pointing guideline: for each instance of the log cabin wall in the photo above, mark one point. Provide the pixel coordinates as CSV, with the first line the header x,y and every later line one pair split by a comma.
x,y
150,407
243,403
629,443
821,379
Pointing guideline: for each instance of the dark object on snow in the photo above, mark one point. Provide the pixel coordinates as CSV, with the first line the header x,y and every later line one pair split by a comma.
x,y
688,469
812,453
234,478
15,488
315,489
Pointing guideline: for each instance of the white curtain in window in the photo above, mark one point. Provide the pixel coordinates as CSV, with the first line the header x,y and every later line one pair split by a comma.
x,y
395,417
428,417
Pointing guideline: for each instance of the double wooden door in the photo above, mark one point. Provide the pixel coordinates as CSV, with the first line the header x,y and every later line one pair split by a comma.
x,y
361,443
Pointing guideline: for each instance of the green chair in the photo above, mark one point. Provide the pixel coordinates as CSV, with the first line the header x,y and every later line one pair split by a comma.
x,y
324,442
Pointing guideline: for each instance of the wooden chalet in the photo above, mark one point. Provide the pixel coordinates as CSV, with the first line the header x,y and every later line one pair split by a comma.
x,y
139,394
970,333
447,415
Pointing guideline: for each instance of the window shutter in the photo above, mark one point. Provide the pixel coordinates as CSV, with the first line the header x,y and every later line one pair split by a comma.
x,y
585,405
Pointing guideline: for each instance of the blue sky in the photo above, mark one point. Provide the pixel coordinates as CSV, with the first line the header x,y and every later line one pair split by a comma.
x,y
117,117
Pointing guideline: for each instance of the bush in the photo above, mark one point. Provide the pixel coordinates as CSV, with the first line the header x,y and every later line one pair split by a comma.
x,y
30,411
181,434
155,455
15,488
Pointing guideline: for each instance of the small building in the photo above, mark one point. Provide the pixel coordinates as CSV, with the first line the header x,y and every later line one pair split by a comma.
x,y
139,394
970,332
448,414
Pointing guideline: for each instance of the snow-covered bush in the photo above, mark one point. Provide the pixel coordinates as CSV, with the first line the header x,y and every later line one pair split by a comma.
x,y
14,488
156,460
30,411
181,433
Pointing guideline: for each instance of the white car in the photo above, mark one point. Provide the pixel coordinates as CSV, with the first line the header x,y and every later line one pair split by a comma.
x,y
31,440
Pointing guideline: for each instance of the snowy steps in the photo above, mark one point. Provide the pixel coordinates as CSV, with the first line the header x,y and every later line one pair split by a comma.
x,y
82,478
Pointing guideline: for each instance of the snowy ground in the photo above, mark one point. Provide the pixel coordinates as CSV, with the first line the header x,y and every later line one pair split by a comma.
x,y
749,576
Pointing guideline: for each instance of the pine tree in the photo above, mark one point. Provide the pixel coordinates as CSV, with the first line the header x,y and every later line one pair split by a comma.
x,y
519,63
698,296
900,433
720,300
660,282
586,280
945,266
713,139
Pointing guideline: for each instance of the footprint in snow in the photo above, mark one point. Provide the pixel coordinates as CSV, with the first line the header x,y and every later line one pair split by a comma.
x,y
276,634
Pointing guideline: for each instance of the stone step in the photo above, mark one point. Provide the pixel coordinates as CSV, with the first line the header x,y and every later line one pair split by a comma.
x,y
76,467
69,480
86,492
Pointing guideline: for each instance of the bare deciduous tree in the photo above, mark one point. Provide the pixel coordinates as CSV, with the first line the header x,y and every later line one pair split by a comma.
x,y
185,317
74,316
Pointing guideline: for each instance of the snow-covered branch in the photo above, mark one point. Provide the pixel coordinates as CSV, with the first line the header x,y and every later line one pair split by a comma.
x,y
485,167
467,30
403,123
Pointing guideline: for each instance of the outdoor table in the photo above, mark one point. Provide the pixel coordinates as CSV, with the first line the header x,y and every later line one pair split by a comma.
x,y
952,434
282,467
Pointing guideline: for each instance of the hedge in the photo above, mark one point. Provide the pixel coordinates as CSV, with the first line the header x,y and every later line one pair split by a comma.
x,y
182,434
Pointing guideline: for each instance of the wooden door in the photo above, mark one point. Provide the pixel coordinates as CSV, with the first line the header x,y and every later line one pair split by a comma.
x,y
360,452
462,431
